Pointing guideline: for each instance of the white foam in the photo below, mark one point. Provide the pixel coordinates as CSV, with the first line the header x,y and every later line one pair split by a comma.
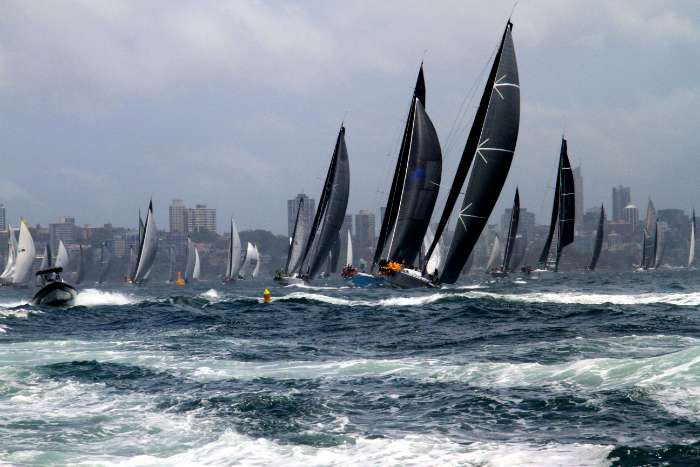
x,y
414,450
17,313
211,294
402,301
682,299
316,287
94,297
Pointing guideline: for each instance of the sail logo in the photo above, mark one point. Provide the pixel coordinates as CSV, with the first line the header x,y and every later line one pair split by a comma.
x,y
417,174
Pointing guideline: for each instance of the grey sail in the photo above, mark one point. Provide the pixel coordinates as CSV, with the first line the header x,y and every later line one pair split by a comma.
x,y
233,260
519,251
512,232
691,246
330,212
421,185
147,249
599,235
489,152
650,240
296,241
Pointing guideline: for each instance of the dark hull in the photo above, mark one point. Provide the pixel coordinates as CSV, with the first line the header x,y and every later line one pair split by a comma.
x,y
55,294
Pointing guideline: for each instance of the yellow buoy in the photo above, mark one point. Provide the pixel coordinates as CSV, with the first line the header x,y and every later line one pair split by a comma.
x,y
266,296
179,280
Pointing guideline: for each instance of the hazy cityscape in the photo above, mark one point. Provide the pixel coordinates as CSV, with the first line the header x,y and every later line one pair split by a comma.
x,y
621,247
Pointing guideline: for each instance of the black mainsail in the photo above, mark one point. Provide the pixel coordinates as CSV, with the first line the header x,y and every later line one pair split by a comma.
x,y
414,187
512,232
492,138
563,211
330,212
598,246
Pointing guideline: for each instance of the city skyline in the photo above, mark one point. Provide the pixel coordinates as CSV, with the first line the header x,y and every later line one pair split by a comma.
x,y
116,123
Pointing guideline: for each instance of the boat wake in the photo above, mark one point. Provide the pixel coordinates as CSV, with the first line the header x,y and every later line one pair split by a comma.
x,y
94,297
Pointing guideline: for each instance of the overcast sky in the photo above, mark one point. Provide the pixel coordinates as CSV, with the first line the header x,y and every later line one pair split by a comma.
x,y
237,104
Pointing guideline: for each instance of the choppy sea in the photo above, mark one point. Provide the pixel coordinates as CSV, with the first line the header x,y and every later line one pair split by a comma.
x,y
574,370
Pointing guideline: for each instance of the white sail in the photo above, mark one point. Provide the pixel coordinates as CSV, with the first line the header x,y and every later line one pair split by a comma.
x,y
435,260
11,254
148,248
26,253
495,253
348,253
691,253
233,263
256,261
62,258
191,259
248,265
197,268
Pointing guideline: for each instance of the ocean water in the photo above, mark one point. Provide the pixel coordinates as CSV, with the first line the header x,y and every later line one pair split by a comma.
x,y
575,370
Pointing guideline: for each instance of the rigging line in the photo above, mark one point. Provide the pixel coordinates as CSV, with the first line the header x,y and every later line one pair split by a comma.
x,y
459,124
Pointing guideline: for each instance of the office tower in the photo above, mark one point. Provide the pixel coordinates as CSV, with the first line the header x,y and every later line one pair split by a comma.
x,y
620,199
3,218
307,213
63,230
365,226
201,219
178,216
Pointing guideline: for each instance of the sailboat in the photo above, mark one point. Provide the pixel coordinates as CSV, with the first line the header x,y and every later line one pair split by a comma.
x,y
26,252
5,277
62,257
233,258
250,262
288,275
192,267
691,247
659,245
434,263
53,290
412,197
599,235
563,215
148,247
489,152
495,253
106,261
348,270
505,267
330,212
649,241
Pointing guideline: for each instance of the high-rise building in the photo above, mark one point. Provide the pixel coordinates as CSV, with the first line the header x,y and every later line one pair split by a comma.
x,y
620,199
578,194
631,216
526,222
64,230
3,218
201,219
307,212
365,226
178,216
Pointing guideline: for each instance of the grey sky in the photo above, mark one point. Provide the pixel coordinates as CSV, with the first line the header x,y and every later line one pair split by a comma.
x,y
237,104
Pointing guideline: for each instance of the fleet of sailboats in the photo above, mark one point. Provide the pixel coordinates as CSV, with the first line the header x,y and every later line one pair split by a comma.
x,y
408,252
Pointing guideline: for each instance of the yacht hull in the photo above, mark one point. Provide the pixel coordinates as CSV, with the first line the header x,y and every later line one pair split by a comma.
x,y
57,294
